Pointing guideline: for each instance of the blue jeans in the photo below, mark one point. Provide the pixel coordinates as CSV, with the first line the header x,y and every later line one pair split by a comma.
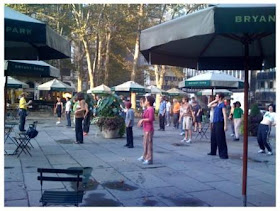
x,y
22,117
68,117
262,136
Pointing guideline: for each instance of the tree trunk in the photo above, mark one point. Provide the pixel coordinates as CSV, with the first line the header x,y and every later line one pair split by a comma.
x,y
99,62
89,63
80,76
161,77
108,46
94,67
137,44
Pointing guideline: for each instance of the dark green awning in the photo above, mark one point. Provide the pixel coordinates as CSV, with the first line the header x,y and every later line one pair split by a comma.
x,y
30,68
29,39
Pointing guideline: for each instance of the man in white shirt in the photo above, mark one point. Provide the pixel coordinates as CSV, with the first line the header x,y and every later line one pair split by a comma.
x,y
68,111
167,114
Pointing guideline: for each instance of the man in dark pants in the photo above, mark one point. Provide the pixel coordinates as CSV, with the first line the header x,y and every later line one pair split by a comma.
x,y
22,111
129,122
218,137
162,110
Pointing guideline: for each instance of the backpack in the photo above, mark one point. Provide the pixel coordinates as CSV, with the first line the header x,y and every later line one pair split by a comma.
x,y
31,132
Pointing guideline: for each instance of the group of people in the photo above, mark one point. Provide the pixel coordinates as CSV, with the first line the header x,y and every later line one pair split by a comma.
x,y
187,113
219,126
146,122
82,115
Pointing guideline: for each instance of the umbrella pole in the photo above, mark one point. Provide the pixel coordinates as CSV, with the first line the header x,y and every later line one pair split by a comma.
x,y
5,98
245,135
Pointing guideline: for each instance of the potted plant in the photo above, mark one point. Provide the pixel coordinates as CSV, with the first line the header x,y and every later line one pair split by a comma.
x,y
255,117
109,121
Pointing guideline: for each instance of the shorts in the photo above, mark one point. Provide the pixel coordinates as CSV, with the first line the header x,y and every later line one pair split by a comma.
x,y
198,119
187,123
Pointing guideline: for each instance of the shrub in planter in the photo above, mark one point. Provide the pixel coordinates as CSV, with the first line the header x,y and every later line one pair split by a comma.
x,y
109,115
254,120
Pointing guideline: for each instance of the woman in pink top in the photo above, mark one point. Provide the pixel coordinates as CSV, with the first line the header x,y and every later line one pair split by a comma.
x,y
148,128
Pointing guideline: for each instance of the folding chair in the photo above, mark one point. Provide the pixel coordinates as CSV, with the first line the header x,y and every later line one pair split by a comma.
x,y
204,129
24,140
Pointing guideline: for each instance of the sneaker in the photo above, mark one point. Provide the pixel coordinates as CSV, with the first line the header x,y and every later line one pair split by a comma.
x,y
269,153
261,151
147,162
141,159
232,134
182,133
58,122
183,140
168,125
189,141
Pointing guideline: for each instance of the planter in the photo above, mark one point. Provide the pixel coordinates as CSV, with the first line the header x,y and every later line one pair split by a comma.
x,y
110,134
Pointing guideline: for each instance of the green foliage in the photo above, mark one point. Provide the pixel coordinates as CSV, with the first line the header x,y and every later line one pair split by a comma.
x,y
110,106
254,120
87,97
109,114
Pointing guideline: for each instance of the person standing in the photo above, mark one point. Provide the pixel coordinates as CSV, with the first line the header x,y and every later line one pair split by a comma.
x,y
162,111
187,116
58,109
79,116
68,111
168,112
218,137
86,122
23,111
129,122
269,119
237,118
182,133
176,113
148,128
230,117
197,116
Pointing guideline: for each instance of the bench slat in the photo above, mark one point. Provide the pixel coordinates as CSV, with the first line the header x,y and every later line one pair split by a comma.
x,y
62,197
63,179
66,171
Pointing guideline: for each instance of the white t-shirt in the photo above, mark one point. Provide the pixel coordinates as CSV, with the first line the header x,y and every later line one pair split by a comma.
x,y
68,106
168,106
270,116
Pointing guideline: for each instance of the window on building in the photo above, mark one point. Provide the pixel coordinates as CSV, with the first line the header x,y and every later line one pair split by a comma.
x,y
271,85
261,84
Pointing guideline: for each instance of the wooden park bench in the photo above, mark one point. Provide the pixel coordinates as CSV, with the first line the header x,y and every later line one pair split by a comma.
x,y
61,197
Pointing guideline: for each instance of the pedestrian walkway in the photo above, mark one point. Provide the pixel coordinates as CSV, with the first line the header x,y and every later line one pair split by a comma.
x,y
182,174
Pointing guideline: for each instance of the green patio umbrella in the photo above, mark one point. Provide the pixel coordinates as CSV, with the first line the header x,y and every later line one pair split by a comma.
x,y
209,92
13,83
176,92
30,39
30,69
130,86
102,89
133,88
155,90
221,37
55,85
212,80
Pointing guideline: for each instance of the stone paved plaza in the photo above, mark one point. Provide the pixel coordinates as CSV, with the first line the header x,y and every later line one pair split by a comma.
x,y
182,175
